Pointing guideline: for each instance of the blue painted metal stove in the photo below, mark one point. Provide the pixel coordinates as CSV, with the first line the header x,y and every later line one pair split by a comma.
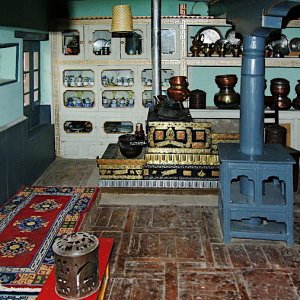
x,y
256,180
267,213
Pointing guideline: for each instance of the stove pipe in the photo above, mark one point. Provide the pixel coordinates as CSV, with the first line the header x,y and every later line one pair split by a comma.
x,y
252,95
156,46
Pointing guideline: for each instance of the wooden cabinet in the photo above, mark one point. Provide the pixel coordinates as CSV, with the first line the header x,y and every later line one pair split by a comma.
x,y
102,82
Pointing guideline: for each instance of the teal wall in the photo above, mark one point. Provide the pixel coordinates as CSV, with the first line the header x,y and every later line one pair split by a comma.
x,y
24,15
33,15
139,7
11,102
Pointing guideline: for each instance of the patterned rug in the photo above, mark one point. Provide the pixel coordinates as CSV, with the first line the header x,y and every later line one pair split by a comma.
x,y
29,223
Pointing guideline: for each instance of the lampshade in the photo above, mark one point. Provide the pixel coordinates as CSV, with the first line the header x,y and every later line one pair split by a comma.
x,y
121,18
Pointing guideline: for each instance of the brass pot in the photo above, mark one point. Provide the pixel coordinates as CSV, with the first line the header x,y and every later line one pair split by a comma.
x,y
226,97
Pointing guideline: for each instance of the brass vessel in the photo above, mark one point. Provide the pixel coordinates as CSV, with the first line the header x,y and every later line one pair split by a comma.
x,y
227,97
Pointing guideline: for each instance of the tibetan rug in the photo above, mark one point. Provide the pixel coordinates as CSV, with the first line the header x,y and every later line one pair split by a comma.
x,y
29,224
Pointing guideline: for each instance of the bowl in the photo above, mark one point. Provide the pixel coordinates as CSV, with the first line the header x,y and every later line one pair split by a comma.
x,y
226,80
178,80
128,150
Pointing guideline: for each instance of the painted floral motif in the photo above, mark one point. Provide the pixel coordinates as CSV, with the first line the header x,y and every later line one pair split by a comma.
x,y
15,247
31,224
46,205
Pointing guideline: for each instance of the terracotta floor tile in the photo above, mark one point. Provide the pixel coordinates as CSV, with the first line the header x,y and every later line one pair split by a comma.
x,y
270,285
136,288
208,285
176,252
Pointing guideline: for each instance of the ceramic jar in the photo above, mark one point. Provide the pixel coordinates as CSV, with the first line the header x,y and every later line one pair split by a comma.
x,y
227,97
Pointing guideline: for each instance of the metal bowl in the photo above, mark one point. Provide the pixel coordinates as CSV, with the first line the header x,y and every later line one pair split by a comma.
x,y
126,148
226,80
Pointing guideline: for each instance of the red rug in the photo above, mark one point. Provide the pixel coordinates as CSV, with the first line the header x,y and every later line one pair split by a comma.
x,y
29,223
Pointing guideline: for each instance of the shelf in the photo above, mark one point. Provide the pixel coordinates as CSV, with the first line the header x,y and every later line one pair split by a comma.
x,y
103,76
287,62
218,113
215,113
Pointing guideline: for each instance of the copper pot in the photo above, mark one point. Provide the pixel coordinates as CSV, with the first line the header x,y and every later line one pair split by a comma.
x,y
197,99
178,94
280,87
296,101
178,81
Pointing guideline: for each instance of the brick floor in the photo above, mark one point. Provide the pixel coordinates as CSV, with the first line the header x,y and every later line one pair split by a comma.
x,y
171,252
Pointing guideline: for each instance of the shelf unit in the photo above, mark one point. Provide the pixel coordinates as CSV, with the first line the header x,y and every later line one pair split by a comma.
x,y
92,106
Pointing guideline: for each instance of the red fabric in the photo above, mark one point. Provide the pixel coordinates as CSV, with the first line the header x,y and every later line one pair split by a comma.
x,y
29,224
35,237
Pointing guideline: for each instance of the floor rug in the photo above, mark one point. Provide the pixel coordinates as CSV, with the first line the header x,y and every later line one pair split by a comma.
x,y
29,224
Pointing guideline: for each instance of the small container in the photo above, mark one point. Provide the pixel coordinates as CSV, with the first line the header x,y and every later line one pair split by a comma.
x,y
139,132
197,99
275,134
76,265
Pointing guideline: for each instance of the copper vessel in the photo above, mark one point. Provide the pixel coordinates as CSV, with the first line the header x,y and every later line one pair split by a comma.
x,y
178,90
280,88
296,101
208,49
197,99
196,47
226,97
178,94
275,134
178,81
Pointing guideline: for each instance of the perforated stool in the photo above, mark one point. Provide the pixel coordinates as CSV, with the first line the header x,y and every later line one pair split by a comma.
x,y
266,212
